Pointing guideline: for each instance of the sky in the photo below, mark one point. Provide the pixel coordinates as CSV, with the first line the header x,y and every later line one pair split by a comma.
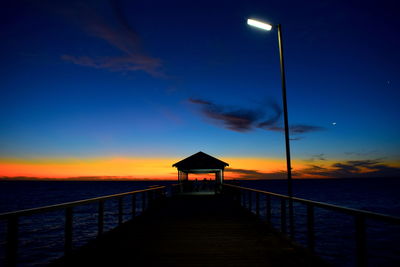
x,y
123,89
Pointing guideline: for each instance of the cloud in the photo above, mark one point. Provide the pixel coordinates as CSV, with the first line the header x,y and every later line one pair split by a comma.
x,y
317,157
199,101
239,120
245,120
277,113
106,21
346,169
353,169
367,153
256,175
297,129
304,128
119,64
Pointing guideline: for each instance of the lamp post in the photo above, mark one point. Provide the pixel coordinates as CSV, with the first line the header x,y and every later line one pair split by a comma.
x,y
268,27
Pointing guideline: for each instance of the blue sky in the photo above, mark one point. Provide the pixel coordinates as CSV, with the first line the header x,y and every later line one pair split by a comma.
x,y
156,78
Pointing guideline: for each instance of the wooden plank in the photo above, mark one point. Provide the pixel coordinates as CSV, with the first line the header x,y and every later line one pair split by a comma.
x,y
194,231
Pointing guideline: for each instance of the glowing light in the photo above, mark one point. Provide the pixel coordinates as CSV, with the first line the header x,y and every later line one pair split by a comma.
x,y
123,168
259,24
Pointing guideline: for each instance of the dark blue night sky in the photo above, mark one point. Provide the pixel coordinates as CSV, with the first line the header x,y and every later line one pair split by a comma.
x,y
132,79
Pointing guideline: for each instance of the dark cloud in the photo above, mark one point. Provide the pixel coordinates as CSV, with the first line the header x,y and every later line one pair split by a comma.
x,y
199,101
361,153
347,169
244,120
303,128
256,175
119,64
105,20
297,129
317,157
353,169
239,120
276,115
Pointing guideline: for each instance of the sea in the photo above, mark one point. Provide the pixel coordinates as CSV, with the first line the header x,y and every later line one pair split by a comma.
x,y
40,238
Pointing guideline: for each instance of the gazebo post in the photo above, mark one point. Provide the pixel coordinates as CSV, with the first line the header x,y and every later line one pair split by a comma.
x,y
180,181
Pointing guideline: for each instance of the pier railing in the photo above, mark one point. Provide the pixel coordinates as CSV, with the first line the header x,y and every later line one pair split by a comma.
x,y
252,196
148,196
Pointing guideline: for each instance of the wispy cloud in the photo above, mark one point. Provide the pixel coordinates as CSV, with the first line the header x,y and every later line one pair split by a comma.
x,y
353,168
239,120
119,64
106,21
256,175
297,128
274,118
245,120
346,169
360,154
317,157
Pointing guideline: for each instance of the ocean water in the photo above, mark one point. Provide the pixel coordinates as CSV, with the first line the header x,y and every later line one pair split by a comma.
x,y
335,232
41,235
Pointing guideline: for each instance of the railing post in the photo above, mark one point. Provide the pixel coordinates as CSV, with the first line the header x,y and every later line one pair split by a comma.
x,y
68,231
258,204
100,222
268,208
250,202
243,198
291,218
133,205
143,201
120,210
361,246
283,216
237,195
158,195
150,194
310,227
12,241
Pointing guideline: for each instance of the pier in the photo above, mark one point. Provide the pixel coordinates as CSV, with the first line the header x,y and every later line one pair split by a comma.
x,y
212,223
193,230
176,228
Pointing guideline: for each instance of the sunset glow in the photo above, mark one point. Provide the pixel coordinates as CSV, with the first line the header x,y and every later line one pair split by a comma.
x,y
151,168
128,168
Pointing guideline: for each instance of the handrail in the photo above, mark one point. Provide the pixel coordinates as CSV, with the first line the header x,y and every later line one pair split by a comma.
x,y
13,217
352,211
26,212
359,216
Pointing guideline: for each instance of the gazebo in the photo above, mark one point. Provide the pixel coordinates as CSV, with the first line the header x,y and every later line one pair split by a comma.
x,y
200,163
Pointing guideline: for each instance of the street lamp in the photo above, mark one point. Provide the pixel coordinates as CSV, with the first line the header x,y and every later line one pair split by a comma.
x,y
268,27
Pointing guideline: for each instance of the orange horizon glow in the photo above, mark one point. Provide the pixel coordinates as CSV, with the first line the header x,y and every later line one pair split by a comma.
x,y
135,168
120,168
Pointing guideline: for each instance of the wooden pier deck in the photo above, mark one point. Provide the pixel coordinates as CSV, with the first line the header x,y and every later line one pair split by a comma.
x,y
193,230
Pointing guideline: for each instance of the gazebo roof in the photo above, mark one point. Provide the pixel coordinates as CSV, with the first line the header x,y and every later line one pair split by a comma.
x,y
199,161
